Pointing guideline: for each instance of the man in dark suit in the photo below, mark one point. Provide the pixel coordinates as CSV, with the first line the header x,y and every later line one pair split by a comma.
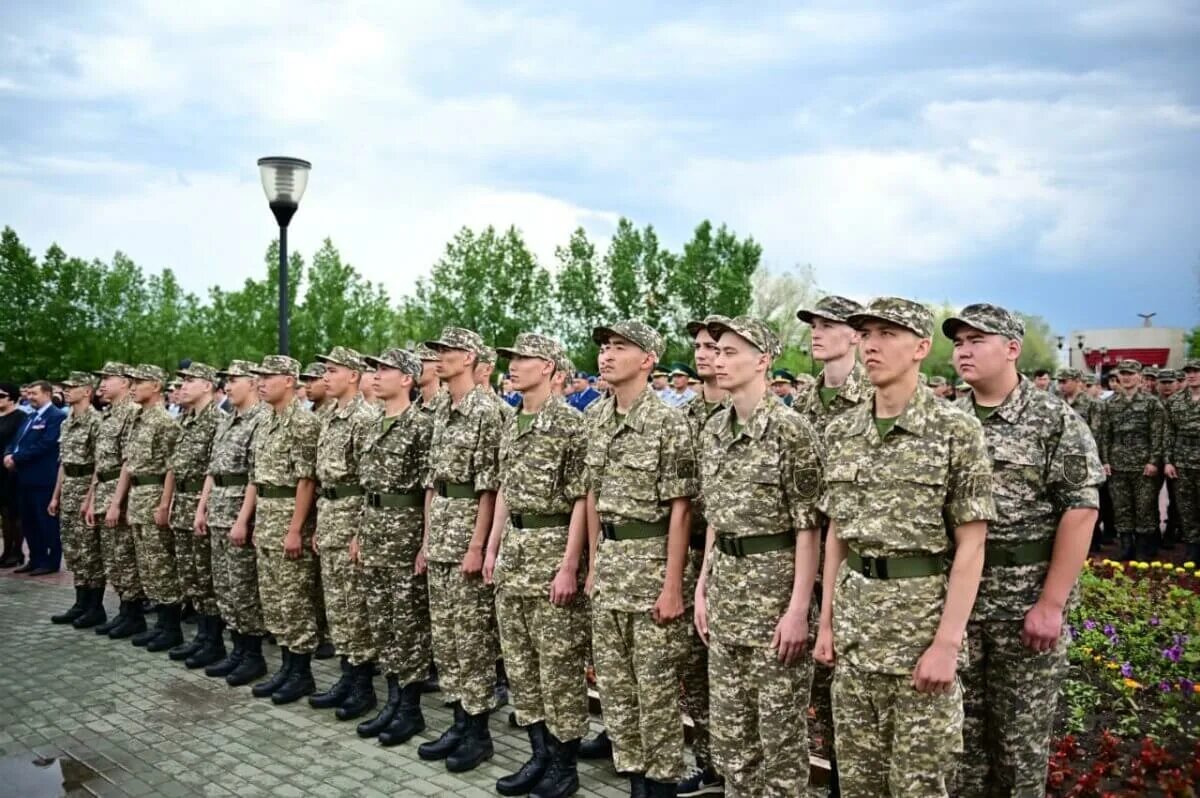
x,y
33,458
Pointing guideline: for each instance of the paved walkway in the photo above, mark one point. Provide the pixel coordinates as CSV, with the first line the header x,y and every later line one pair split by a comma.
x,y
109,719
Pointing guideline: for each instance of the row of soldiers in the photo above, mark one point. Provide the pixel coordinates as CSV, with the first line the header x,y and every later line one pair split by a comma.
x,y
673,546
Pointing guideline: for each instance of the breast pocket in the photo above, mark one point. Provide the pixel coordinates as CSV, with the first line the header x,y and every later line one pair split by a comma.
x,y
843,492
634,474
1016,476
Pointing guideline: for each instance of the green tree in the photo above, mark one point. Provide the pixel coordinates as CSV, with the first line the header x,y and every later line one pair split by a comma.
x,y
715,273
579,298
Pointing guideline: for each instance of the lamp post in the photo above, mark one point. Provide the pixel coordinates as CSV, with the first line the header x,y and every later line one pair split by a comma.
x,y
284,181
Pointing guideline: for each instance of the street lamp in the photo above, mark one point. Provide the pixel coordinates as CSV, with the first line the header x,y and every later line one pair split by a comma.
x,y
284,181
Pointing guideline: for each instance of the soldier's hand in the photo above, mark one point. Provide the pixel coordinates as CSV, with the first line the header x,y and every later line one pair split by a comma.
x,y
239,534
791,636
421,563
935,669
1151,470
700,616
89,514
293,546
489,569
113,516
589,584
472,564
1107,470
823,650
564,587
354,550
1170,471
1043,627
668,607
162,517
200,524
52,508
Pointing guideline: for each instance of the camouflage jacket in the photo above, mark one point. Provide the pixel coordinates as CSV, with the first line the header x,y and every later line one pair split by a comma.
x,y
231,454
636,466
116,423
284,452
77,443
853,392
899,496
1183,431
149,449
1133,431
394,460
189,461
344,433
1044,462
763,480
541,473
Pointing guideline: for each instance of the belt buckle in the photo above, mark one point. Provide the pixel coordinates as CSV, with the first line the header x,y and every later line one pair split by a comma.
x,y
866,566
517,521
441,489
374,500
608,530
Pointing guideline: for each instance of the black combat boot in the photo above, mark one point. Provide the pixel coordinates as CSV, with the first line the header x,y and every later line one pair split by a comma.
x,y
409,721
265,689
133,623
361,699
372,727
142,639
107,626
1127,548
252,666
74,611
171,634
524,780
1193,552
93,613
337,693
562,776
599,747
299,681
475,747
234,658
660,789
637,786
431,684
189,647
443,746
213,649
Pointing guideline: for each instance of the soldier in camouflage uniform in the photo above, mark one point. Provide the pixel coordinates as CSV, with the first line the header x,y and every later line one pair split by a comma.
x,y
429,384
344,432
391,470
1045,473
483,377
1182,455
72,494
900,472
642,471
1071,390
283,473
185,482
223,520
460,496
318,394
760,469
142,480
535,551
1131,448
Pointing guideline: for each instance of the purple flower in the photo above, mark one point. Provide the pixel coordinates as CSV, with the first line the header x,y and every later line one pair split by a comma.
x,y
1073,632
1089,625
1109,630
1164,686
1154,620
1173,653
1187,686
1127,670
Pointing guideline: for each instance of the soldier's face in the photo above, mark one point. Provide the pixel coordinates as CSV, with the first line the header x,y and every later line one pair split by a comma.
x,y
659,382
482,373
1129,380
781,388
526,373
390,382
1069,388
621,360
890,351
980,356
1149,383
704,350
193,390
78,394
1167,388
113,387
339,380
274,388
367,384
680,381
316,389
738,362
145,390
831,340
452,363
1192,378
240,389
429,372
1042,381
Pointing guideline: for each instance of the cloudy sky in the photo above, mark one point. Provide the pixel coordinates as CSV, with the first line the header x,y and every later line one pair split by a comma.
x,y
1047,160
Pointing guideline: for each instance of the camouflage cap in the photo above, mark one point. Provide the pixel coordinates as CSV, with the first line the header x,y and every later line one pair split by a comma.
x,y
638,333
238,368
1169,375
1192,364
1149,371
343,356
200,371
986,318
487,355
313,371
1069,374
754,331
694,327
961,385
401,359
458,338
278,364
174,385
895,310
533,345
831,308
563,364
1089,379
425,353
79,379
937,381
147,372
804,380
1129,365
113,369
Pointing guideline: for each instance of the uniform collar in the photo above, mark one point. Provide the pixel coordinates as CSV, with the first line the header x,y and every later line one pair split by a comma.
x,y
635,418
913,419
854,389
542,418
759,421
351,407
1013,406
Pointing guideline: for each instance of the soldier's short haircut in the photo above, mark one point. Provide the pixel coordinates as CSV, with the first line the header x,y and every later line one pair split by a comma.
x,y
1041,373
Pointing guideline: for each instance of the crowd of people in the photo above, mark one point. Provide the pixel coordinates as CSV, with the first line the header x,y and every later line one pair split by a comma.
x,y
721,540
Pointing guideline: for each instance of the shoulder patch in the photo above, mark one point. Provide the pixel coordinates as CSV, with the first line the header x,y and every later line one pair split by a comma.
x,y
806,484
1075,469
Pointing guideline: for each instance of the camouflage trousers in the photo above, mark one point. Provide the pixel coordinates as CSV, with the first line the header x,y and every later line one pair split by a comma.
x,y
892,740
235,582
194,557
465,644
117,547
346,605
82,549
287,592
1010,694
693,676
156,563
1187,497
1135,503
544,650
398,614
637,673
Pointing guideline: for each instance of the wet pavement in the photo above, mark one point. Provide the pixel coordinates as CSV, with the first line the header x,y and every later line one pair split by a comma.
x,y
84,715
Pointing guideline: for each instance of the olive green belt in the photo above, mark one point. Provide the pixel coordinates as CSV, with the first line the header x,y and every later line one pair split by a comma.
x,y
266,491
79,469
896,567
455,490
755,544
636,530
189,485
393,500
1007,554
147,479
108,476
230,480
342,491
534,521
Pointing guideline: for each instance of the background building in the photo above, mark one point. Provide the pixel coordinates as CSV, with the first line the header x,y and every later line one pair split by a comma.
x,y
1099,350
